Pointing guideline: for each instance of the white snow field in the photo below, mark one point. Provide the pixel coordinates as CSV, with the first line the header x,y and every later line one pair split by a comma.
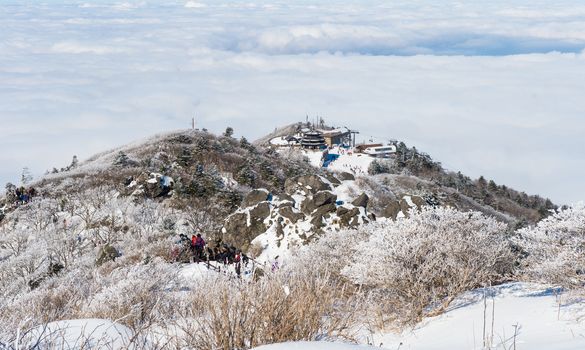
x,y
355,163
81,334
525,317
317,345
530,309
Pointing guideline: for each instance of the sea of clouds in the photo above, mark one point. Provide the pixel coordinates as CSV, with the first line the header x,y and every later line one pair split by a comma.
x,y
489,88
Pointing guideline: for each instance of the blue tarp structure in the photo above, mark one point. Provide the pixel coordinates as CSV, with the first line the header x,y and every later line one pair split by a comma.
x,y
329,158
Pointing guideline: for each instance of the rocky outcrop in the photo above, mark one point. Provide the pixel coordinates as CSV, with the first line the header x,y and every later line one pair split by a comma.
x,y
361,200
306,184
322,212
391,211
403,206
334,181
344,176
290,214
418,201
325,210
241,228
260,212
350,218
254,197
341,210
317,200
286,198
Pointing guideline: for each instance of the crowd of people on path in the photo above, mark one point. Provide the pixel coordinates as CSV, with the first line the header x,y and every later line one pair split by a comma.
x,y
196,250
20,195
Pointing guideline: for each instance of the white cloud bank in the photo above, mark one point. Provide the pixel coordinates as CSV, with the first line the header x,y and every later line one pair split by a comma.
x,y
489,89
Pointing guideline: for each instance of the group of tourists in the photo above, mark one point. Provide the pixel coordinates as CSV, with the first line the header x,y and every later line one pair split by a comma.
x,y
20,195
195,249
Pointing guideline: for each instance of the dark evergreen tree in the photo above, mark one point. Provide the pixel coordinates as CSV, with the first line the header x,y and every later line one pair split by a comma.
x,y
229,131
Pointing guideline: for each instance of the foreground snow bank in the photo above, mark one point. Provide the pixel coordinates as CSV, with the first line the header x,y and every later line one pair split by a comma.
x,y
528,315
316,345
81,334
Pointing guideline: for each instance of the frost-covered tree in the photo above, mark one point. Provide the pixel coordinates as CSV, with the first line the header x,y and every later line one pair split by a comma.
x,y
74,163
26,176
555,248
427,259
378,167
122,160
229,132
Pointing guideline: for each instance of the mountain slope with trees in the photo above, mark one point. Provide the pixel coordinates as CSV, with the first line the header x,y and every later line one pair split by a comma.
x,y
101,239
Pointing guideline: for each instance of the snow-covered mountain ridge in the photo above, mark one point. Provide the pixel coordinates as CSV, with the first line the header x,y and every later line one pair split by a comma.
x,y
211,175
102,240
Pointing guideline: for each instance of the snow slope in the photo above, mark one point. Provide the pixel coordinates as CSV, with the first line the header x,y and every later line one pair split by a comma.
x,y
317,345
81,334
530,309
533,310
354,163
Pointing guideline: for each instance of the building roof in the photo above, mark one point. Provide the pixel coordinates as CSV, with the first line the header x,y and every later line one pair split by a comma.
x,y
334,132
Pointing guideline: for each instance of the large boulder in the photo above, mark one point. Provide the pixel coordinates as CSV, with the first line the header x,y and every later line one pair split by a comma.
x,y
306,183
290,214
350,218
415,202
418,201
341,210
334,181
344,176
391,211
403,205
361,200
283,197
106,253
320,213
254,197
238,233
317,200
325,210
260,212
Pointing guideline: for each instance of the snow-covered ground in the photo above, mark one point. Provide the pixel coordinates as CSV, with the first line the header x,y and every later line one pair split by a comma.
x,y
527,315
354,163
80,334
516,315
317,345
531,316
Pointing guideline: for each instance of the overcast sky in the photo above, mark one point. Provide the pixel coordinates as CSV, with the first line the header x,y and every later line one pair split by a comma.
x,y
492,89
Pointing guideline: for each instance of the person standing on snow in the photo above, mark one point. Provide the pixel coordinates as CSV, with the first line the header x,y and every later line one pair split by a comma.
x,y
237,261
199,244
275,266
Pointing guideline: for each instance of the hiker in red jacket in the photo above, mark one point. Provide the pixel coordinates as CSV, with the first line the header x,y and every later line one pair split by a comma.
x,y
237,261
198,244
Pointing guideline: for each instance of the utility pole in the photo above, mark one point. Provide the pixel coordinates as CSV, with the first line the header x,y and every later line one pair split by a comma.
x,y
352,132
193,123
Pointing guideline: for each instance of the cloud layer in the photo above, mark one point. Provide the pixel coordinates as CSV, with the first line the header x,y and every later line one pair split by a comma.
x,y
490,89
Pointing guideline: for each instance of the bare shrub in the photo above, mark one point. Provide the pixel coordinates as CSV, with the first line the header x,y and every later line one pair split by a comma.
x,y
230,314
132,296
